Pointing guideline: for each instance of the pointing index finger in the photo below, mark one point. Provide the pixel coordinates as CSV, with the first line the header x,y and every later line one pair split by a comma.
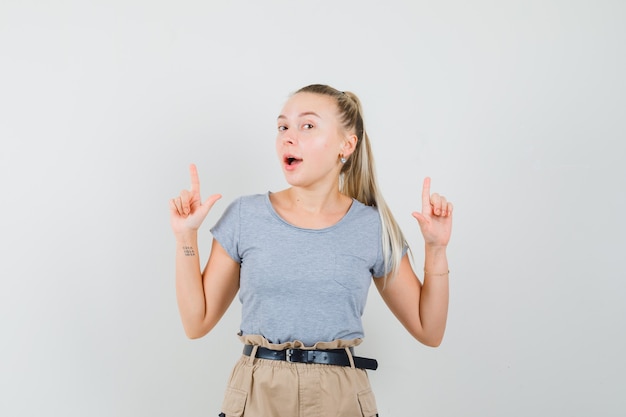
x,y
195,180
426,196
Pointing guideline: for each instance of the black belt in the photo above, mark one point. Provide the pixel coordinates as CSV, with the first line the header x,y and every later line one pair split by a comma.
x,y
326,357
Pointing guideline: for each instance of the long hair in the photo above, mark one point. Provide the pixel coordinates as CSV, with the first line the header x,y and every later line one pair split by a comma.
x,y
358,174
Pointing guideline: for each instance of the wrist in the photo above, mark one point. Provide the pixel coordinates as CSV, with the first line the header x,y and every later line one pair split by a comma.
x,y
187,238
435,261
435,249
436,274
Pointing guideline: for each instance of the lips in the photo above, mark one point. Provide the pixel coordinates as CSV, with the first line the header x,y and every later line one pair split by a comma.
x,y
291,162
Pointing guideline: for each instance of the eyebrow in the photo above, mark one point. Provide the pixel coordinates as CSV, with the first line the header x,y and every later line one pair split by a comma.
x,y
306,113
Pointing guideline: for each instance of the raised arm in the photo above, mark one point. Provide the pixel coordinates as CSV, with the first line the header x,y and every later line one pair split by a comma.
x,y
202,297
423,308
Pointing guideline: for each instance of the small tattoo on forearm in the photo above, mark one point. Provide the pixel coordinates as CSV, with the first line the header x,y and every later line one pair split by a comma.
x,y
188,251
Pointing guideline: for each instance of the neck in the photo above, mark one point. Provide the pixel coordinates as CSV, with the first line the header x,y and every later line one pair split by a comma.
x,y
315,200
311,208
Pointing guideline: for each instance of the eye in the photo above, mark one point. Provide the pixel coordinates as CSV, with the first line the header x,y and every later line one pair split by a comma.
x,y
282,128
307,126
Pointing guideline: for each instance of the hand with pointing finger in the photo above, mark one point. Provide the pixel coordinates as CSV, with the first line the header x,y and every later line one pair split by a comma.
x,y
187,211
435,220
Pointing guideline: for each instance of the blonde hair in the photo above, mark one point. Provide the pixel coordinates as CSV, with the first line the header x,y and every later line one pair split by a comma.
x,y
358,174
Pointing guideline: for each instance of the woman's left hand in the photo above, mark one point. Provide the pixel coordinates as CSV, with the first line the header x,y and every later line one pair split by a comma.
x,y
435,220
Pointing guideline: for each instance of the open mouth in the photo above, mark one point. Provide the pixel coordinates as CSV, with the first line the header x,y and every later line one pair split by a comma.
x,y
292,161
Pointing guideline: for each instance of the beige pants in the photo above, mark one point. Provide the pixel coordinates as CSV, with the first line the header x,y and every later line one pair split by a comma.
x,y
270,388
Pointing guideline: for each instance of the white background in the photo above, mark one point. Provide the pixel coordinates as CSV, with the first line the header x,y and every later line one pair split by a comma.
x,y
516,109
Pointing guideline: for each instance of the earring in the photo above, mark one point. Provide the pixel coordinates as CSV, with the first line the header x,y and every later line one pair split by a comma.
x,y
343,160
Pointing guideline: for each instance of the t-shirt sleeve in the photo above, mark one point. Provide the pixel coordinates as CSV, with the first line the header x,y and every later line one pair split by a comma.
x,y
379,270
226,230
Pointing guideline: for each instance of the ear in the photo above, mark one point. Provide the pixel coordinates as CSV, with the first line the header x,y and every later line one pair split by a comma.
x,y
349,145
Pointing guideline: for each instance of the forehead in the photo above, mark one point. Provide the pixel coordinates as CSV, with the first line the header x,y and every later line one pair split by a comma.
x,y
299,103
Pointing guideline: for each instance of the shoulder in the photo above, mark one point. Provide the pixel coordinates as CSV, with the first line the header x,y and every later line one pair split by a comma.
x,y
242,205
250,202
365,213
248,208
363,220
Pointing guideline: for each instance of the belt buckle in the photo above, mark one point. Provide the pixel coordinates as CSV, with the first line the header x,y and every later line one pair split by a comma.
x,y
297,355
288,355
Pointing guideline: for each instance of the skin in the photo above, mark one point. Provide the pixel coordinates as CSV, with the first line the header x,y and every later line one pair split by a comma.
x,y
309,130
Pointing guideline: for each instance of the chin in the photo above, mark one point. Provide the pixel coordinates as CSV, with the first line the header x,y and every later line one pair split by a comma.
x,y
295,182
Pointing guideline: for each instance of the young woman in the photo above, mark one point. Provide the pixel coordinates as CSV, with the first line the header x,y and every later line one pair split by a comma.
x,y
302,260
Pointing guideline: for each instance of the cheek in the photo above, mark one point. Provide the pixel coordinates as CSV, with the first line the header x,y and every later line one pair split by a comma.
x,y
327,145
320,150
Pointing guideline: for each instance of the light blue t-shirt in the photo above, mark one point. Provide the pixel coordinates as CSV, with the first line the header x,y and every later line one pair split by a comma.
x,y
301,284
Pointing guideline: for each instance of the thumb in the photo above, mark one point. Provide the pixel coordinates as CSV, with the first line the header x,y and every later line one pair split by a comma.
x,y
201,211
208,203
421,219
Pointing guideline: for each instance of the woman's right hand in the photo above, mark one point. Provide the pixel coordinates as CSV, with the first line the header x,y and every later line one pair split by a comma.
x,y
187,211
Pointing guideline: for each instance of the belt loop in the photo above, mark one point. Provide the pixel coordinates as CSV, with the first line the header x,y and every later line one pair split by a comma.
x,y
350,358
253,355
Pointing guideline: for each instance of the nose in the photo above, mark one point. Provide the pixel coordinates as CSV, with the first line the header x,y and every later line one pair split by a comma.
x,y
288,138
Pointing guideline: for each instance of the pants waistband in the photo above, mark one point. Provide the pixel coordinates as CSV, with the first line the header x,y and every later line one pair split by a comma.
x,y
326,357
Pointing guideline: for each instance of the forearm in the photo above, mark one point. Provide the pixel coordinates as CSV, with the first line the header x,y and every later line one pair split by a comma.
x,y
434,294
189,286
